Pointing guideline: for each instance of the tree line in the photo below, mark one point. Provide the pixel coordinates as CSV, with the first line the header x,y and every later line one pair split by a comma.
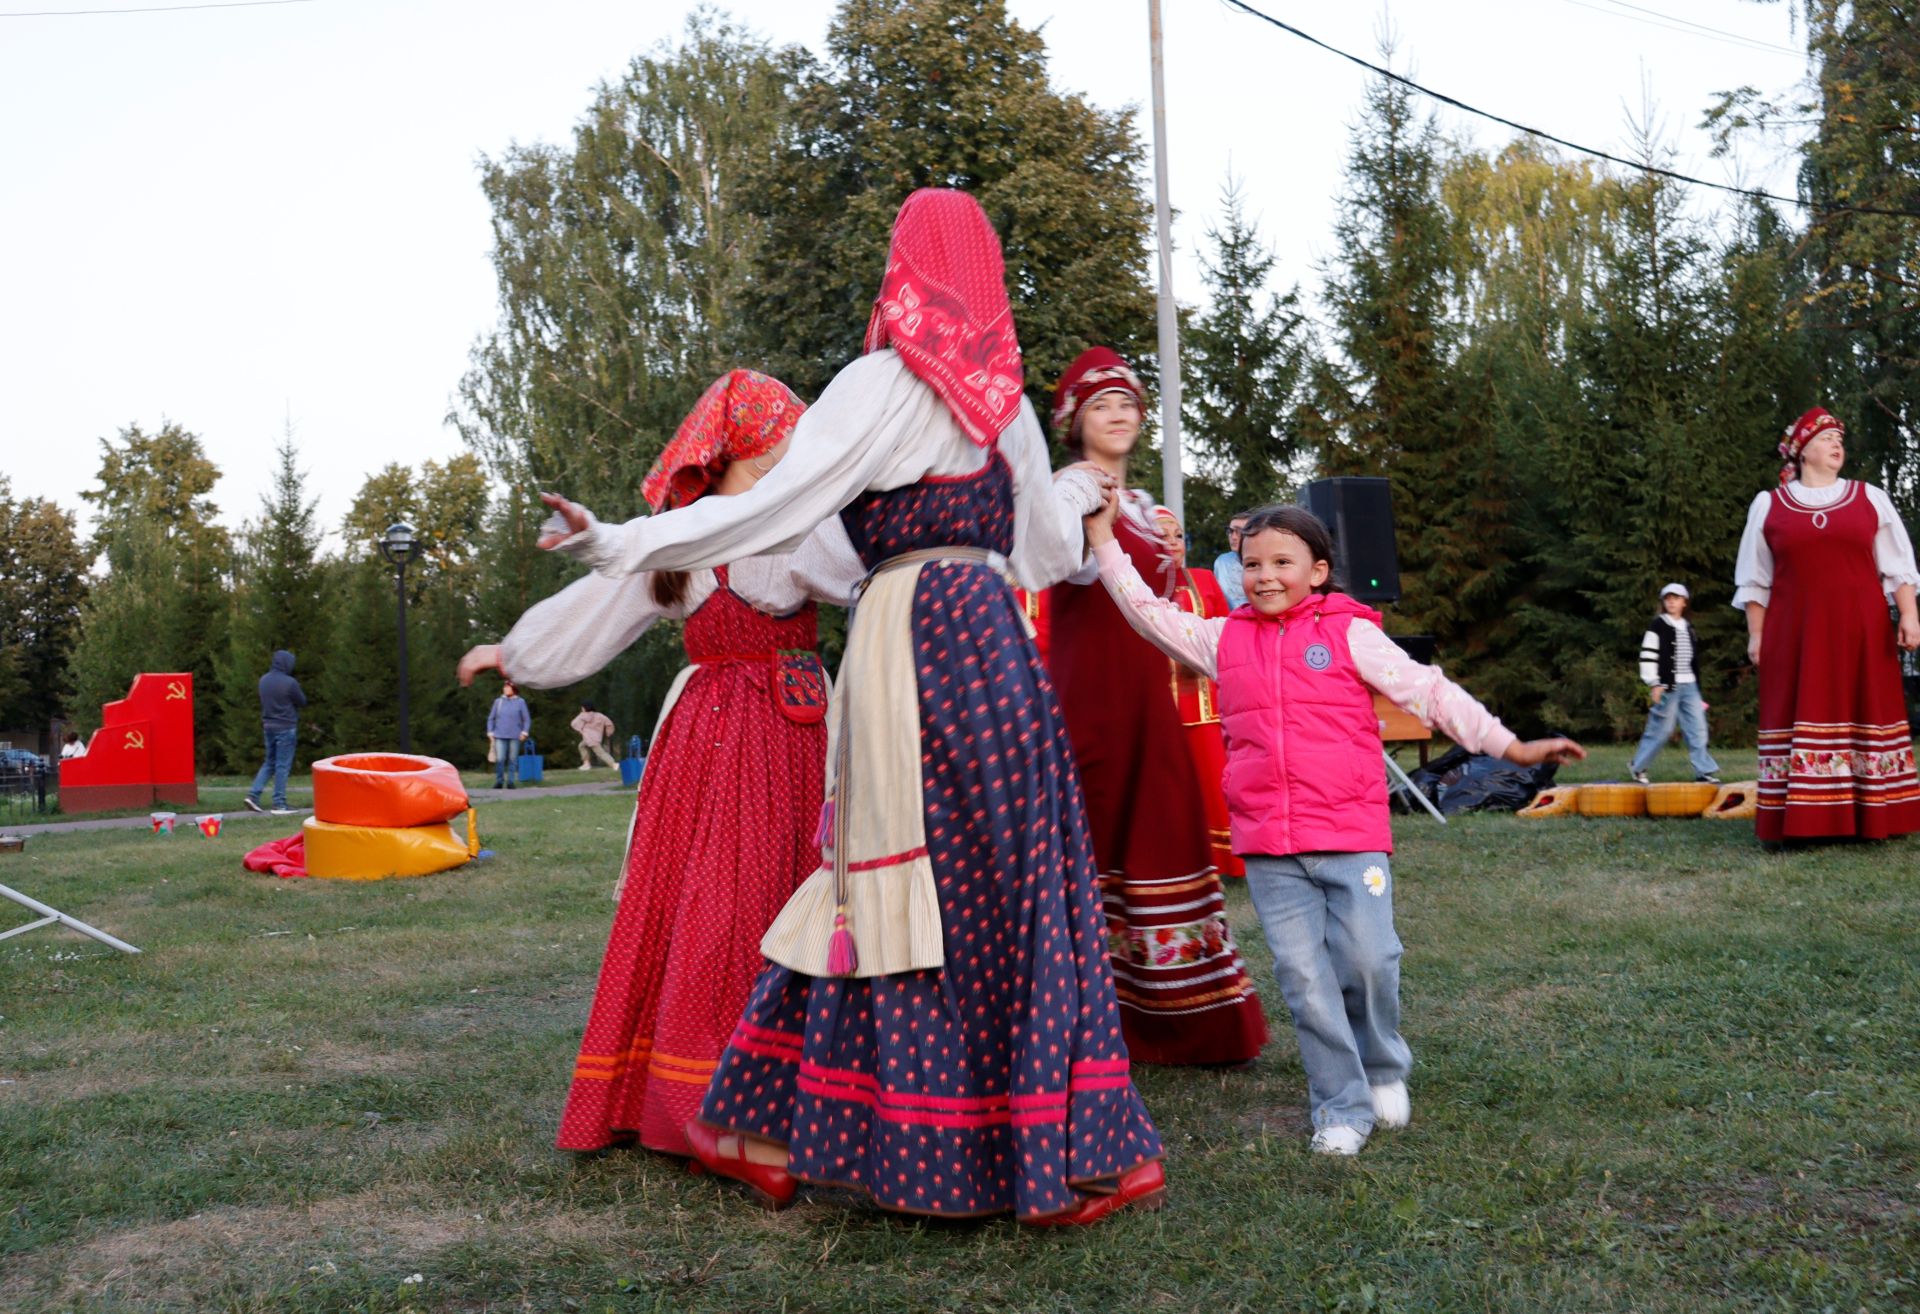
x,y
1573,380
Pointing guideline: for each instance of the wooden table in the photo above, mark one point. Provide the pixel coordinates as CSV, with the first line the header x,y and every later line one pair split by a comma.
x,y
1401,727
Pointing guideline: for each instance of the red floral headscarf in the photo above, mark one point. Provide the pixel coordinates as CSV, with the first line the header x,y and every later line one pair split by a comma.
x,y
943,307
1803,431
744,414
1094,371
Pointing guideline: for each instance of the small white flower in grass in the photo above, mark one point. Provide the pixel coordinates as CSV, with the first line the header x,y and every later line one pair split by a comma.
x,y
414,1280
1375,880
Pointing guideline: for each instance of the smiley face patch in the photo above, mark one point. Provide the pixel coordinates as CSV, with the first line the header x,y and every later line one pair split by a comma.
x,y
1318,657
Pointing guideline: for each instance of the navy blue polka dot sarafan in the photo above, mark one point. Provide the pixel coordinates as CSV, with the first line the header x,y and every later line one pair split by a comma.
x,y
999,1082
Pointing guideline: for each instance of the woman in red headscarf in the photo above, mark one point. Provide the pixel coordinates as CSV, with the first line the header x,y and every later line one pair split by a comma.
x,y
723,828
1820,557
937,1025
1195,590
1185,996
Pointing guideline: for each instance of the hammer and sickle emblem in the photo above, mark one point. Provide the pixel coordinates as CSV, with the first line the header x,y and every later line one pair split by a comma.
x,y
135,740
176,690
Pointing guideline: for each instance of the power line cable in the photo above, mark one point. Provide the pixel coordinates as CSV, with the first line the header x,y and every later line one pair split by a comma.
x,y
1675,22
149,9
1638,165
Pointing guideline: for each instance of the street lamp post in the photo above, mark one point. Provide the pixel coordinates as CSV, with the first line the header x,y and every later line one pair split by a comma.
x,y
399,547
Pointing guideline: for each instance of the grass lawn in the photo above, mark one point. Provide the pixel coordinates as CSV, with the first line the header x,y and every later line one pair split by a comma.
x,y
228,793
1657,1069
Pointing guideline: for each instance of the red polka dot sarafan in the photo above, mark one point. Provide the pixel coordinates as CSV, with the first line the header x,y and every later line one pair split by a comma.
x,y
723,833
999,1082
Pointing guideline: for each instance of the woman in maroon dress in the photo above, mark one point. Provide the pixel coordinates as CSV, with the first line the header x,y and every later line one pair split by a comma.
x,y
1819,558
1185,996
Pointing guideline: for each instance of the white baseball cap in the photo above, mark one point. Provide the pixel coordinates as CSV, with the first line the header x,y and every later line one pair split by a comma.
x,y
1681,589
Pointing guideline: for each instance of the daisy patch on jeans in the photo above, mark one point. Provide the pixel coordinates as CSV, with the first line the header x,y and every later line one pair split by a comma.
x,y
1375,880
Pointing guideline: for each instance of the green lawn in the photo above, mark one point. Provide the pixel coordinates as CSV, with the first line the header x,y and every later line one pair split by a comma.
x,y
228,793
1657,1069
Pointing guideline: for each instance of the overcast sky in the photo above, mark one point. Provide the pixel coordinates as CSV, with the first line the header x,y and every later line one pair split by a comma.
x,y
226,217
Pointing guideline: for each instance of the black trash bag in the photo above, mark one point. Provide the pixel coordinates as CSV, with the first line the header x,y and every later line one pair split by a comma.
x,y
1458,781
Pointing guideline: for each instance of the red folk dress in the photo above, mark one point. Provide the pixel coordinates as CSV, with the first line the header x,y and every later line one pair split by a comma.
x,y
1198,592
723,834
1185,996
1836,757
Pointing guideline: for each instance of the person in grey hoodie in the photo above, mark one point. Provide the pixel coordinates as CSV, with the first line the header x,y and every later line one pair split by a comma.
x,y
508,723
281,699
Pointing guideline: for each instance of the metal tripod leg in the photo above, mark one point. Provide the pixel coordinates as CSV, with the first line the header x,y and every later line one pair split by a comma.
x,y
50,916
1406,784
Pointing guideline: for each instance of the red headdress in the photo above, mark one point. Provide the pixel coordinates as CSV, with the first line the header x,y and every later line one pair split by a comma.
x,y
1803,431
1094,371
744,414
943,307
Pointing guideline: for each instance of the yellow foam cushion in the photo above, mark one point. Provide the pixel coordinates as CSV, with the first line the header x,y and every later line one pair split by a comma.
x,y
374,853
1556,802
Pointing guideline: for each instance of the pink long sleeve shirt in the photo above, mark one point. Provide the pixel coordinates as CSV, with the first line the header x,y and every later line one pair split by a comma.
x,y
1194,641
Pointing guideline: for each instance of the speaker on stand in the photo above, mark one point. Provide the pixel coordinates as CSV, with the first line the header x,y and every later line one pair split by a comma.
x,y
1358,512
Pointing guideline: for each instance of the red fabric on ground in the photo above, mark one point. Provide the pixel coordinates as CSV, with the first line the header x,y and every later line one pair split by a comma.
x,y
282,857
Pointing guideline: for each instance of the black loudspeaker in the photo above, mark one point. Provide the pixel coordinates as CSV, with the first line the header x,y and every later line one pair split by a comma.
x,y
1359,514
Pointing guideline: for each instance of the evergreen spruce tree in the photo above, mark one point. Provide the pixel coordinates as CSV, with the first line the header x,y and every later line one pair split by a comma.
x,y
42,587
275,604
1243,364
1392,406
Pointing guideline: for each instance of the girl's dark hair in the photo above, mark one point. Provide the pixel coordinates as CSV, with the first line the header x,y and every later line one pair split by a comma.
x,y
669,587
1303,525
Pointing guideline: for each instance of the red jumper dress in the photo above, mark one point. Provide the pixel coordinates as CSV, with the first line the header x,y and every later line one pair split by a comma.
x,y
722,835
1836,758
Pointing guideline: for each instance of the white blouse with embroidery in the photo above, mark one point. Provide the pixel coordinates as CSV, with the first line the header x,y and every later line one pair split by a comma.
x,y
1892,549
582,628
876,427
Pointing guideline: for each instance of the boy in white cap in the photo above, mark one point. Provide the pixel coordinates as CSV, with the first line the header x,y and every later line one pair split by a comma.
x,y
1666,667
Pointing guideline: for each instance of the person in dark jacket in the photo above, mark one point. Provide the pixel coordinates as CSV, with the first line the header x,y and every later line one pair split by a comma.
x,y
281,699
508,724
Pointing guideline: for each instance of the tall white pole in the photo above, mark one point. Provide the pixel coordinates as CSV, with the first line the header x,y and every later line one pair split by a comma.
x,y
1173,494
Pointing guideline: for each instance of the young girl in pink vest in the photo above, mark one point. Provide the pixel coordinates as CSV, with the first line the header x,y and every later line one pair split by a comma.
x,y
1307,795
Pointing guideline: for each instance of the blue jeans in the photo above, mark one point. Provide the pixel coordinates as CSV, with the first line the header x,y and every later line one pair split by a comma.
x,y
506,762
1337,959
1682,702
278,762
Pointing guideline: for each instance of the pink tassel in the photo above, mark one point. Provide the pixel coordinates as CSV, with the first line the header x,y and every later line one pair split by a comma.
x,y
824,831
841,958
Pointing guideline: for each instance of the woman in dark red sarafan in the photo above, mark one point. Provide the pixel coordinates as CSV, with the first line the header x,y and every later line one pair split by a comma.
x,y
1819,559
1185,996
723,827
937,1025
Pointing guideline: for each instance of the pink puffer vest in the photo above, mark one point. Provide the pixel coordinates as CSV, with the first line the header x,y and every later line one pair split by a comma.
x,y
1304,773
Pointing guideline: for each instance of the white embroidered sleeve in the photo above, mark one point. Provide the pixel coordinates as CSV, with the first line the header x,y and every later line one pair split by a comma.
x,y
1892,549
1048,542
576,632
1193,641
1753,566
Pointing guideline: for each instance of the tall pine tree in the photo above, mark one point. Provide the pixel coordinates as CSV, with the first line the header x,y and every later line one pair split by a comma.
x,y
1244,364
276,603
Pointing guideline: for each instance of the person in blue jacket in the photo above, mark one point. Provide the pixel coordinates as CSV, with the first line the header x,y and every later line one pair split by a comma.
x,y
508,725
281,699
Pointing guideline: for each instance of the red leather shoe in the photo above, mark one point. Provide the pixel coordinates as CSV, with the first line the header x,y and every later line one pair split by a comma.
x,y
1145,1186
776,1187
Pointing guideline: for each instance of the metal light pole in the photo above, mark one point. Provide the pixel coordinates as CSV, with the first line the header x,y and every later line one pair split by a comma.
x,y
399,547
1173,494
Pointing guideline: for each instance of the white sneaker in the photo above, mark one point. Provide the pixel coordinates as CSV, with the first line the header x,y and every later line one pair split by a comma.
x,y
283,812
1392,1107
1345,1141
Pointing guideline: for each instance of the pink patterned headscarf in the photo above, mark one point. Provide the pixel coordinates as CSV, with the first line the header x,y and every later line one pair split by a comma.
x,y
943,306
744,414
1803,431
